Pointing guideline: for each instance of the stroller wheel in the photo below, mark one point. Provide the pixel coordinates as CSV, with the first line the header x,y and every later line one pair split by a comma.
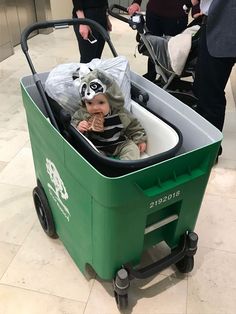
x,y
121,286
44,212
121,301
186,264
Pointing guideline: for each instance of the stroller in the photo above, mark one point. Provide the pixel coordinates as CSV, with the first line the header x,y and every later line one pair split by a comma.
x,y
91,201
174,62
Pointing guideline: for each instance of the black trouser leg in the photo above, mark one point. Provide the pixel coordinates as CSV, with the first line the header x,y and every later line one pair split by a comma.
x,y
87,50
160,26
211,78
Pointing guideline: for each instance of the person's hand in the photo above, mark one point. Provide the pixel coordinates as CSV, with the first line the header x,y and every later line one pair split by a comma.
x,y
194,2
83,126
135,7
84,31
109,25
142,147
195,16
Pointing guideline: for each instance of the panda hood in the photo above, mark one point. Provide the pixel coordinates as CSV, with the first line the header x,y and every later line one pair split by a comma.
x,y
96,82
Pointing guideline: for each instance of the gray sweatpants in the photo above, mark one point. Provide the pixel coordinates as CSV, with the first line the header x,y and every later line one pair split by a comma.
x,y
127,151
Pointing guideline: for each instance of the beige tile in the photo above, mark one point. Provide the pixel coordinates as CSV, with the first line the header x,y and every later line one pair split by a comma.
x,y
5,71
101,300
150,296
2,165
9,66
11,142
226,163
10,103
222,182
229,96
212,285
43,265
20,171
13,117
216,223
17,214
10,84
228,144
7,253
14,300
230,116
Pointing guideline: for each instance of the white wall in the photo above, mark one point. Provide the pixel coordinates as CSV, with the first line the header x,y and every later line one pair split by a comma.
x,y
61,9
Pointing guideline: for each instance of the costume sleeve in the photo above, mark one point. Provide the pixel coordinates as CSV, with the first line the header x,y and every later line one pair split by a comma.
x,y
78,4
76,118
134,130
79,116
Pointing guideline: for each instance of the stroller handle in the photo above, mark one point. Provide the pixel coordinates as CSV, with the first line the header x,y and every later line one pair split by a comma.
x,y
117,15
62,24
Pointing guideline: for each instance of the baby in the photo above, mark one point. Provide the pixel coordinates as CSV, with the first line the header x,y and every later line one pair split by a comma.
x,y
104,120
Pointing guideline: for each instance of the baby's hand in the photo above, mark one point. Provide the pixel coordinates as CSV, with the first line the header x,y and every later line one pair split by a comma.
x,y
142,147
83,126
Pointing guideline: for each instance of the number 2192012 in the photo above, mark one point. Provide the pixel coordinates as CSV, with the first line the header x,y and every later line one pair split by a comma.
x,y
164,199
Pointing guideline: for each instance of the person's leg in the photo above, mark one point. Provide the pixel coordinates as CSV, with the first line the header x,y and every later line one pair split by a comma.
x,y
128,151
154,26
160,26
174,26
98,15
211,78
87,50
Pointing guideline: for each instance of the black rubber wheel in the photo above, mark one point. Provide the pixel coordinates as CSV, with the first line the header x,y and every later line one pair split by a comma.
x,y
186,264
121,301
44,212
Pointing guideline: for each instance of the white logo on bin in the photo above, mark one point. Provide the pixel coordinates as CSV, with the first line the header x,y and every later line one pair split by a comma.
x,y
58,190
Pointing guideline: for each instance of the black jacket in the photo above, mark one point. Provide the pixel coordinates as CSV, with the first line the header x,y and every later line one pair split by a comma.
x,y
88,4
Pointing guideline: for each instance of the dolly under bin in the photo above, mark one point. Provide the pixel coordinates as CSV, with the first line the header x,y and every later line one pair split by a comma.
x,y
109,221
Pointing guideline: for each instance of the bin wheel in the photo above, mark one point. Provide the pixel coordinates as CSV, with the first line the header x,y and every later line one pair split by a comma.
x,y
44,212
185,265
121,301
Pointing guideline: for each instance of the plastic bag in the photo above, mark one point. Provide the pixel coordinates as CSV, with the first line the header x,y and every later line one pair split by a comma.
x,y
60,85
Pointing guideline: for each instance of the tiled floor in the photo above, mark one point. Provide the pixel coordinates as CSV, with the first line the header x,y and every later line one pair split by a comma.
x,y
38,276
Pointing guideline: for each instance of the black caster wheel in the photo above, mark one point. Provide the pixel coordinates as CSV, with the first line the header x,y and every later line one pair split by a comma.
x,y
186,264
44,212
121,301
121,286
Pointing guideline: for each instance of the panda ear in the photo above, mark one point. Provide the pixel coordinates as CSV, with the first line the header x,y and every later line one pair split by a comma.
x,y
104,79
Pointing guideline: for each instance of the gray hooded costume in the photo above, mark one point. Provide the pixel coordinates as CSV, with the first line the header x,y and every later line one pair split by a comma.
x,y
122,131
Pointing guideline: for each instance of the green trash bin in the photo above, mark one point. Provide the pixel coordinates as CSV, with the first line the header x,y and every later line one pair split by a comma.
x,y
109,221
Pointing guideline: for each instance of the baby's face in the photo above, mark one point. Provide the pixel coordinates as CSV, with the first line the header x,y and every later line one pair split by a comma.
x,y
98,104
